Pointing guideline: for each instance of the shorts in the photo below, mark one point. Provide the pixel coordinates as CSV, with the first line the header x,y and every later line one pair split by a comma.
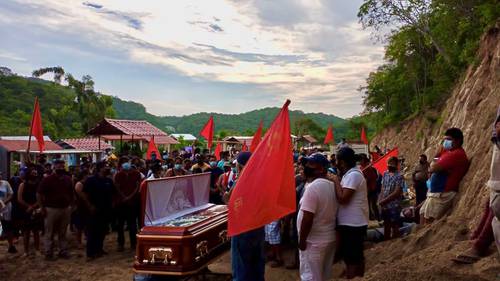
x,y
273,233
437,204
392,215
351,244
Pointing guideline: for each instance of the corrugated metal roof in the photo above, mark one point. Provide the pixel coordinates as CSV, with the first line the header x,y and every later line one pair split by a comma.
x,y
22,138
186,137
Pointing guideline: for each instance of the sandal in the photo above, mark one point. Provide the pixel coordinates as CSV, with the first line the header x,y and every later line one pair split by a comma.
x,y
466,259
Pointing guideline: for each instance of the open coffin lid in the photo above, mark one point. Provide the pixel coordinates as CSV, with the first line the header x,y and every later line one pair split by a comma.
x,y
176,201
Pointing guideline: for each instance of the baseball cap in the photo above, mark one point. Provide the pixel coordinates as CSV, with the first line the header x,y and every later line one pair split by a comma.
x,y
317,158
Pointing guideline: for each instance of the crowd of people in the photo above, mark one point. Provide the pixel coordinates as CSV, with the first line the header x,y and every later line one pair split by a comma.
x,y
337,196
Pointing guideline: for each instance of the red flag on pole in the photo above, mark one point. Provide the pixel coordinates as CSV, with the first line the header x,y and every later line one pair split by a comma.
x,y
36,128
152,148
381,163
268,172
363,136
244,147
256,138
329,135
208,131
218,150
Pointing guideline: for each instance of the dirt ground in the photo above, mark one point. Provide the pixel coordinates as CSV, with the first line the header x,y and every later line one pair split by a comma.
x,y
113,267
430,263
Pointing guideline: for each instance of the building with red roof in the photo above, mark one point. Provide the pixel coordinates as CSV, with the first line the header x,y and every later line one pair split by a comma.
x,y
117,131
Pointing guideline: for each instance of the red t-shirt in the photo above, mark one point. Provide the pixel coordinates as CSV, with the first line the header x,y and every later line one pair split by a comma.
x,y
455,164
128,181
371,177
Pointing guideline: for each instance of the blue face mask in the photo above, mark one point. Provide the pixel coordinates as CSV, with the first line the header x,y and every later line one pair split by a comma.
x,y
177,166
447,144
126,166
213,163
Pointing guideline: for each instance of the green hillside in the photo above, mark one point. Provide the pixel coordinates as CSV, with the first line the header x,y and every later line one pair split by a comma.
x,y
244,123
17,95
65,113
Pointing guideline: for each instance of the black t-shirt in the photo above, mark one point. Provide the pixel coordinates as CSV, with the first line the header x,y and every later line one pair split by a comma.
x,y
100,192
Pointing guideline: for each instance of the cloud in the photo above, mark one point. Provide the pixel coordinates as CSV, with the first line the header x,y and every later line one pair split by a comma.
x,y
131,19
312,51
11,56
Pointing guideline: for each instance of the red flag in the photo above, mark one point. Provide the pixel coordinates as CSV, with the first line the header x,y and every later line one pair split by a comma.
x,y
208,131
152,148
36,128
375,156
256,138
363,136
329,136
381,163
218,150
244,147
265,190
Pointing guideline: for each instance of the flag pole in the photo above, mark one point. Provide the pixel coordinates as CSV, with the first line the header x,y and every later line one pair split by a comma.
x,y
31,132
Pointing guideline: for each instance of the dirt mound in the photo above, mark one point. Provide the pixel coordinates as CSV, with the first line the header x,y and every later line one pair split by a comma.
x,y
425,255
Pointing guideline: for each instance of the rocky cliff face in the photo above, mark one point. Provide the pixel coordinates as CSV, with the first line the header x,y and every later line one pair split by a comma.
x,y
425,255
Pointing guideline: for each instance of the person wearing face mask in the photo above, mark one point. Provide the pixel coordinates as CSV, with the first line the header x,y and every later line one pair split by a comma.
x,y
55,196
316,221
32,222
215,173
447,170
176,170
353,214
97,193
420,176
127,182
390,199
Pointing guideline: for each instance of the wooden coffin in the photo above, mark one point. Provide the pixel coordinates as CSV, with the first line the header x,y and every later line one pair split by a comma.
x,y
182,232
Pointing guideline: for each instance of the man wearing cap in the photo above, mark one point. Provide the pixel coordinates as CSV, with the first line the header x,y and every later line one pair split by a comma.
x,y
247,249
352,217
316,221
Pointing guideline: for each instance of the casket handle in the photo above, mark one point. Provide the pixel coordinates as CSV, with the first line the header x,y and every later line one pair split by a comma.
x,y
201,250
223,236
164,253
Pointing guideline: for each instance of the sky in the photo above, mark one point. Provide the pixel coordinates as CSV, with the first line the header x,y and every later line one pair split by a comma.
x,y
183,57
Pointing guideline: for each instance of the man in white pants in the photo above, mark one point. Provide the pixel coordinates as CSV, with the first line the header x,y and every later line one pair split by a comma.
x,y
316,221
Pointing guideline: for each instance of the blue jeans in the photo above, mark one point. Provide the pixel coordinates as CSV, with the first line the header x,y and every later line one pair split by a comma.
x,y
247,255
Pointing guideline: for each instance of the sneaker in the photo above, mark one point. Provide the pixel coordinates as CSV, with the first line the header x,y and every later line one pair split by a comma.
x,y
12,250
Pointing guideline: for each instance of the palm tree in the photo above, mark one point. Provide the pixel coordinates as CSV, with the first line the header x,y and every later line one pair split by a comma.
x,y
56,70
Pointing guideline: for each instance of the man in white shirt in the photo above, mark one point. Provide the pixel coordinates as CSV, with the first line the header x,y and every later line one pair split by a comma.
x,y
316,221
353,214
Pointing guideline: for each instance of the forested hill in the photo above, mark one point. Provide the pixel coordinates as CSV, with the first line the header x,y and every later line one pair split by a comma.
x,y
68,111
244,123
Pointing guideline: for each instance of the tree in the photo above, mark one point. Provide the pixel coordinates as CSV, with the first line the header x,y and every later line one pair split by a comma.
x,y
56,70
414,13
306,126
